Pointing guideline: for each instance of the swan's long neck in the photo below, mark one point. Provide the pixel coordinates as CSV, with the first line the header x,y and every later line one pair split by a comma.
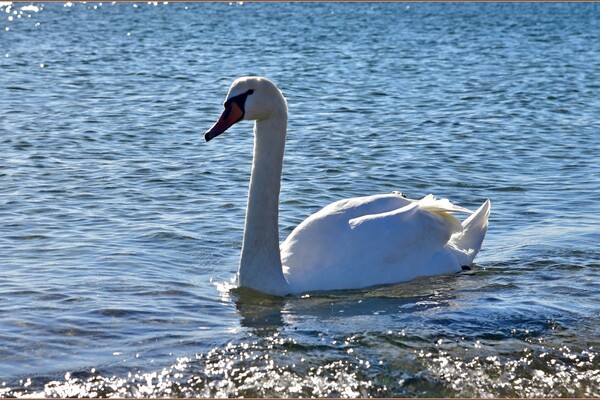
x,y
260,263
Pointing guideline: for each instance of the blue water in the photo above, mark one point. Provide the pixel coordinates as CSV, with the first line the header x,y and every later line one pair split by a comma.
x,y
120,228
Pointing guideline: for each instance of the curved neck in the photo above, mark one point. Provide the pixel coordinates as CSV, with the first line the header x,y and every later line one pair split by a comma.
x,y
260,263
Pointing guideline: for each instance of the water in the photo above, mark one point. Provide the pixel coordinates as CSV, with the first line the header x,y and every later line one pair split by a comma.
x,y
121,229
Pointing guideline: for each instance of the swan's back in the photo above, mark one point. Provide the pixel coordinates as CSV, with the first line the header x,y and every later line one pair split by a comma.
x,y
373,240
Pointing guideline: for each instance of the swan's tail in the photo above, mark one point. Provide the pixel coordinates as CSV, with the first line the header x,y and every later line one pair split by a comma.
x,y
469,240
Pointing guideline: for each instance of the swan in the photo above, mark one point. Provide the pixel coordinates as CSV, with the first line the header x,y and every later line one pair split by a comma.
x,y
350,244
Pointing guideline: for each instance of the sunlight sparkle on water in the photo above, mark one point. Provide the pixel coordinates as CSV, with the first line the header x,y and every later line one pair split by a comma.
x,y
31,8
101,186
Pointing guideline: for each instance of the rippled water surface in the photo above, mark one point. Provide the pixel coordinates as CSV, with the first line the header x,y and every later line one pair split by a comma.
x,y
120,228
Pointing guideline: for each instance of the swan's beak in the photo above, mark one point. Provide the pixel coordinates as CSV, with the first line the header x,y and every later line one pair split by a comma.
x,y
232,114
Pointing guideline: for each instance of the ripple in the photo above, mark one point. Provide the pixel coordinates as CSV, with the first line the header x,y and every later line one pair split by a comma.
x,y
272,365
120,225
542,373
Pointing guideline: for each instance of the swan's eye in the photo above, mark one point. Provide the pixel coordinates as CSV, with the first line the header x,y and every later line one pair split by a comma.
x,y
240,99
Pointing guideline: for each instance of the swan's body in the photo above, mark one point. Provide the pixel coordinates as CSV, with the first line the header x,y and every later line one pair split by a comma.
x,y
350,244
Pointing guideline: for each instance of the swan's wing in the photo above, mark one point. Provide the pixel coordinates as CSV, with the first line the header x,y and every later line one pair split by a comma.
x,y
367,205
366,241
469,239
317,238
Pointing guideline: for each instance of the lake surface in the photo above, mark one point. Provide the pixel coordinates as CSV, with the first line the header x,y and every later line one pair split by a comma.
x,y
120,228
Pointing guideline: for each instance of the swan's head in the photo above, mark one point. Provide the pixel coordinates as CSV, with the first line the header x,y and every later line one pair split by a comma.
x,y
249,98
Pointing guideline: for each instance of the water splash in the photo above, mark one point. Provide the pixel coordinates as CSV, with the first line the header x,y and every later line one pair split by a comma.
x,y
274,365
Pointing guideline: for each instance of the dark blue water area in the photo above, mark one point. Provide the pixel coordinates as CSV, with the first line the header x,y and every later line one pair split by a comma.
x,y
121,229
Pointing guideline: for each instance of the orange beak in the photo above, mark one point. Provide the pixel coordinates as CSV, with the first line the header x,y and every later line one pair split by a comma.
x,y
232,114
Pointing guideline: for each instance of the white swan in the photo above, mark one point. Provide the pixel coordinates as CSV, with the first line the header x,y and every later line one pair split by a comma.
x,y
350,244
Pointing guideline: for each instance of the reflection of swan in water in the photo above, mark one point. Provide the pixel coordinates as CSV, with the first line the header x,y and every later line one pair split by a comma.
x,y
263,313
266,314
350,244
